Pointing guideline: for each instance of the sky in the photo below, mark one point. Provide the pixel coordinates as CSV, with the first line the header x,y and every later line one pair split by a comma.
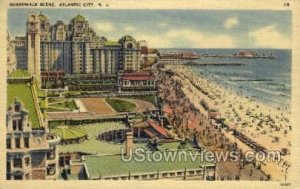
x,y
178,28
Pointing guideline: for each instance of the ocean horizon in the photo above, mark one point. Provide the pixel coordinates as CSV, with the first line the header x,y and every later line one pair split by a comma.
x,y
264,80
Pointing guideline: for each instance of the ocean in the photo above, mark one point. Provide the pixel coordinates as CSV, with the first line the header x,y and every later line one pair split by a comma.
x,y
274,75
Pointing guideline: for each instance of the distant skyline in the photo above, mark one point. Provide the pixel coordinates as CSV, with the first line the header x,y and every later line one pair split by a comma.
x,y
177,28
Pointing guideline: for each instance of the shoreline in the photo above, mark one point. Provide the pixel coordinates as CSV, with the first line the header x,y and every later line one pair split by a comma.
x,y
267,126
191,122
281,106
273,120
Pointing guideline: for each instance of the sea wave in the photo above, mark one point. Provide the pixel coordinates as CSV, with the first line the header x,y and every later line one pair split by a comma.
x,y
230,82
271,92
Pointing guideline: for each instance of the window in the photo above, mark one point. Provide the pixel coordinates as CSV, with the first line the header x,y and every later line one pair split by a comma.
x,y
18,163
14,125
17,141
20,125
144,176
61,161
51,154
17,108
8,166
67,160
8,143
18,177
51,169
27,176
152,176
27,161
26,142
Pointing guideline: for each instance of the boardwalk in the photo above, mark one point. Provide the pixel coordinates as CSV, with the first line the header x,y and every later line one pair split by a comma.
x,y
55,116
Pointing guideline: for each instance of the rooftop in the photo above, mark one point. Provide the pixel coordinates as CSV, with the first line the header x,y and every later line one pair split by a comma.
x,y
111,43
93,145
69,132
22,92
79,18
158,128
114,166
167,109
126,38
43,17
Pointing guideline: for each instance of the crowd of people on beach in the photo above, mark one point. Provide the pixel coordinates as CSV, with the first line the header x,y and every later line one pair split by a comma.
x,y
270,126
190,123
186,91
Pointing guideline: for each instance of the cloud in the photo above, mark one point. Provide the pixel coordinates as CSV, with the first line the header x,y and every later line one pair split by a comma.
x,y
163,24
188,38
129,28
231,22
104,26
154,41
197,39
269,37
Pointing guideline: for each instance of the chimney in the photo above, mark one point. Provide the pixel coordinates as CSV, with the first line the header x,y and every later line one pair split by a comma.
x,y
129,142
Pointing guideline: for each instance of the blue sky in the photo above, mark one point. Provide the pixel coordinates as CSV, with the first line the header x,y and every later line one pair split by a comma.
x,y
178,28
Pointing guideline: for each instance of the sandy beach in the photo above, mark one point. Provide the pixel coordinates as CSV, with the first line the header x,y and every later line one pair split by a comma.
x,y
268,126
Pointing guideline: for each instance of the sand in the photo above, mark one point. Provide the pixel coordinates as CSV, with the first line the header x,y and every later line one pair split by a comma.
x,y
268,126
98,106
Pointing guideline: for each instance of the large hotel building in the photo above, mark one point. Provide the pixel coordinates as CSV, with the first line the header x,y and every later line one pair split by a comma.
x,y
73,48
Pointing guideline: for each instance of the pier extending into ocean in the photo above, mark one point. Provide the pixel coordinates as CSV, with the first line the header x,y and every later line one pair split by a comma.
x,y
215,64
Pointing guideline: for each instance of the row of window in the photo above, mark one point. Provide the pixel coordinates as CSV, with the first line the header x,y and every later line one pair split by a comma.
x,y
18,163
18,177
163,175
17,142
17,124
139,82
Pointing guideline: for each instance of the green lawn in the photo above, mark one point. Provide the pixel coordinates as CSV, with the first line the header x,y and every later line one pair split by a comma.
x,y
60,104
71,132
120,105
19,73
49,109
149,98
168,146
51,100
70,93
67,104
42,102
40,93
23,93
